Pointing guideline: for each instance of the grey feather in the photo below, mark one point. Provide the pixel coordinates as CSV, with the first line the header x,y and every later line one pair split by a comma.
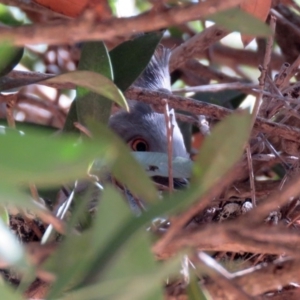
x,y
142,121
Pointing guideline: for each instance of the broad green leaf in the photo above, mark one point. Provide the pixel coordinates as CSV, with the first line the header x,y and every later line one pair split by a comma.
x,y
221,150
9,57
47,160
128,265
91,105
235,19
7,17
90,242
7,293
93,81
193,289
143,286
131,57
94,57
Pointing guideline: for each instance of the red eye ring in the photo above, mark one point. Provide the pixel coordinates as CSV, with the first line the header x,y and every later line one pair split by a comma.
x,y
139,144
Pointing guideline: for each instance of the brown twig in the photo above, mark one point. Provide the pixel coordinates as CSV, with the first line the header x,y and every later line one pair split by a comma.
x,y
273,275
196,44
264,70
291,70
274,201
210,110
87,28
83,129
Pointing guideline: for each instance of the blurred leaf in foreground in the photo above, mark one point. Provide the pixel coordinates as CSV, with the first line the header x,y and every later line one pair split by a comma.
x,y
236,19
9,57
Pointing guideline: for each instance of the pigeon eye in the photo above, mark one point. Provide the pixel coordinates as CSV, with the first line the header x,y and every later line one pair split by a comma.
x,y
139,145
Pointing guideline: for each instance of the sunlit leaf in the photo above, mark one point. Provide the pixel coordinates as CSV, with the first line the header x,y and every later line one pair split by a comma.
x,y
94,82
90,242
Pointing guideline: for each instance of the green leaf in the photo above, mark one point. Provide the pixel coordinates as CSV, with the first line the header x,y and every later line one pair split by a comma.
x,y
9,57
47,160
90,105
71,119
93,81
193,289
144,286
91,242
94,57
9,294
4,216
235,19
130,58
221,150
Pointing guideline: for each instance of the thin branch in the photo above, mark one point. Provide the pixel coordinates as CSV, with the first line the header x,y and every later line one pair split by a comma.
x,y
232,236
87,28
196,44
210,110
177,102
290,72
264,70
274,201
180,221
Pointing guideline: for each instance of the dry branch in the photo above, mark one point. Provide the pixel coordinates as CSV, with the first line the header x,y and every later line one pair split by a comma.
x,y
88,28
